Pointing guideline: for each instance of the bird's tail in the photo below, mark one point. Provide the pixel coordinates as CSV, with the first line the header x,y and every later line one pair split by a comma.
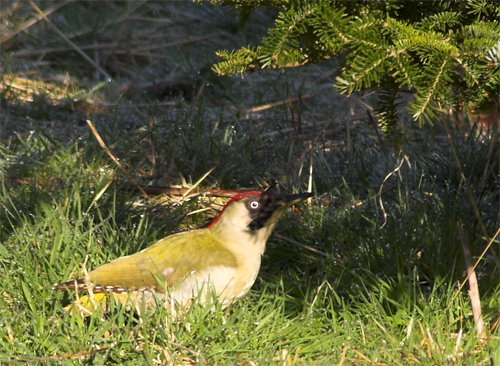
x,y
87,304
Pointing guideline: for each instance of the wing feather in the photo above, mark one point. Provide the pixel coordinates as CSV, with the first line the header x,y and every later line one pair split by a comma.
x,y
169,260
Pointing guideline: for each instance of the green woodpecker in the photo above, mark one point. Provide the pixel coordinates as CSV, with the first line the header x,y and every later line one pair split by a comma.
x,y
222,259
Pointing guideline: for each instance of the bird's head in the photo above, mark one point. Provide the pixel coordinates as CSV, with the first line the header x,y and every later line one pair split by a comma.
x,y
253,215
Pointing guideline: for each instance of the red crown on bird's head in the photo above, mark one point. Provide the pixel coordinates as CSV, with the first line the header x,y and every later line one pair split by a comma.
x,y
236,198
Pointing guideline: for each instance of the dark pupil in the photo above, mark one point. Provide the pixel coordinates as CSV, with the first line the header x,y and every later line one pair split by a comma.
x,y
262,210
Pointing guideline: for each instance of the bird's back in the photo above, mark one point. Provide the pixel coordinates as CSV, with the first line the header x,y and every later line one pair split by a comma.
x,y
167,262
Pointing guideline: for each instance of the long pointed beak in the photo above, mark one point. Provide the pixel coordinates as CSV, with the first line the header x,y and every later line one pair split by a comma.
x,y
291,199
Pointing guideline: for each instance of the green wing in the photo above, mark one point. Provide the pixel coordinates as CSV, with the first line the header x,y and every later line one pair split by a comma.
x,y
171,258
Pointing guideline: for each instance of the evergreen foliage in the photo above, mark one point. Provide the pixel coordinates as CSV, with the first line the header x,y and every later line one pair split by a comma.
x,y
446,52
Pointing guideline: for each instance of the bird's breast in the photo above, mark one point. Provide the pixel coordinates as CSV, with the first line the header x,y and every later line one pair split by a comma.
x,y
228,284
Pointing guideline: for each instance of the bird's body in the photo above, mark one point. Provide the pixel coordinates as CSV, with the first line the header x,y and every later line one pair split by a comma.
x,y
222,259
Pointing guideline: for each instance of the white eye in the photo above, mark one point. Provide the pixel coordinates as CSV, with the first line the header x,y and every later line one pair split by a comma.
x,y
254,205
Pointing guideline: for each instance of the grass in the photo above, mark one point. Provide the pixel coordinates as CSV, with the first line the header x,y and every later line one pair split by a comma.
x,y
381,291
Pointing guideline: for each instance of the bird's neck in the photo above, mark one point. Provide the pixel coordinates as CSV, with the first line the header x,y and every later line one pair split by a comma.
x,y
239,238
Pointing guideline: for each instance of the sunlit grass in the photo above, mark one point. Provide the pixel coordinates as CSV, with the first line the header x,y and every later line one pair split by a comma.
x,y
382,294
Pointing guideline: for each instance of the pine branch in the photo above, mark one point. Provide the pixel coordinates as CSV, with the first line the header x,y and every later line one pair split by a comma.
x,y
447,52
